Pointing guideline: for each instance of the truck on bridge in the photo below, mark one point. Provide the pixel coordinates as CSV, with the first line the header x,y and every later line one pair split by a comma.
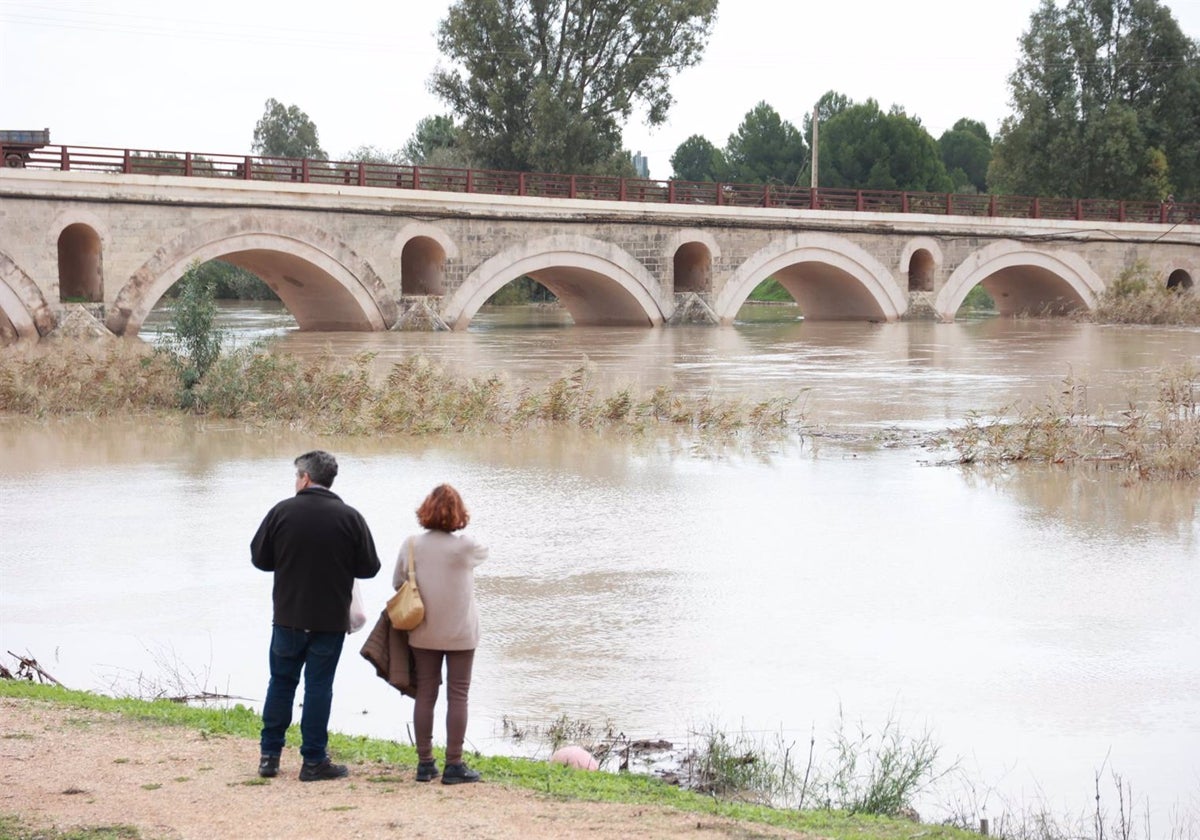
x,y
15,146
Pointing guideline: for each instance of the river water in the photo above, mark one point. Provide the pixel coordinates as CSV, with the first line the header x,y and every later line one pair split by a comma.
x,y
1041,626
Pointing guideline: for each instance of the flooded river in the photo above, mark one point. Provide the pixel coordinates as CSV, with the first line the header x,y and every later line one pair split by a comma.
x,y
1041,626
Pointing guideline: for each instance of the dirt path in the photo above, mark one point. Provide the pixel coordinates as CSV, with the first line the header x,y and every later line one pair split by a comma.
x,y
65,768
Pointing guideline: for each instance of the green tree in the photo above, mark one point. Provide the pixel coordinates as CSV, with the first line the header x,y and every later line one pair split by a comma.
x,y
194,339
286,131
1105,93
966,153
697,159
436,142
861,147
765,148
374,154
548,85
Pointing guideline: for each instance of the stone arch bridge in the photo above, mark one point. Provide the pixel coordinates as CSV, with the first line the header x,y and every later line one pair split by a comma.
x,y
360,258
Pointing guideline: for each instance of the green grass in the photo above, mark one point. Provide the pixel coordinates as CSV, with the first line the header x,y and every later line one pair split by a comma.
x,y
13,828
385,761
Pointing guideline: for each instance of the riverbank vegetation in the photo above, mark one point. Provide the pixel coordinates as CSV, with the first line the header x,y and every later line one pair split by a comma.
x,y
378,759
1156,436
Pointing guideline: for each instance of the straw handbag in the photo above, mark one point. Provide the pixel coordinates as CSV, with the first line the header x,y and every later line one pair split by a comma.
x,y
405,609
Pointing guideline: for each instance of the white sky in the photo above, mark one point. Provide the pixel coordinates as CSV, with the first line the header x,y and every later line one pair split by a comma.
x,y
173,76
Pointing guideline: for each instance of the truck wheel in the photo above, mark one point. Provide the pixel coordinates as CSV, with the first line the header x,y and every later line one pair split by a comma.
x,y
14,160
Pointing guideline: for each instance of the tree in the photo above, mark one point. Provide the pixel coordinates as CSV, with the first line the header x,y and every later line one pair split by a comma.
x,y
435,142
547,85
861,147
765,148
966,152
286,132
1106,99
696,159
374,154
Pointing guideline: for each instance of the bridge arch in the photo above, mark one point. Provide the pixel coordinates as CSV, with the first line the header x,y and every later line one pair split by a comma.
x,y
598,283
423,250
919,262
80,238
690,254
1021,278
22,306
830,277
321,280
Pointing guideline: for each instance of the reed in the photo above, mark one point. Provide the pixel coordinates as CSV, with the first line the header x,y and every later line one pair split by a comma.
x,y
354,397
1157,438
1136,298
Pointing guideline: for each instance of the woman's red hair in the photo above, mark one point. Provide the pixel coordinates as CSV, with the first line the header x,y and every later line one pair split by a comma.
x,y
443,510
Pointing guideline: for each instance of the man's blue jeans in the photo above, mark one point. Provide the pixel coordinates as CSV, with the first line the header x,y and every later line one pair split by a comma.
x,y
317,655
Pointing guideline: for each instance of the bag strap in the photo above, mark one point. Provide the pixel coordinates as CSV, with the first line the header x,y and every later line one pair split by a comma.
x,y
412,563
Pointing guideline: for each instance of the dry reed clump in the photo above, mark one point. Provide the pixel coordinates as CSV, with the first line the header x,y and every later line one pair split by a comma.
x,y
1138,297
1159,439
337,396
1152,306
98,378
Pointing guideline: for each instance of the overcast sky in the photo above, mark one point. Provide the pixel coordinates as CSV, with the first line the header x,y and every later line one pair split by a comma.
x,y
172,76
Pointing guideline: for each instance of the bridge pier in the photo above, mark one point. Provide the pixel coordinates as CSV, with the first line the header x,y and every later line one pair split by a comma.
x,y
920,308
418,313
691,308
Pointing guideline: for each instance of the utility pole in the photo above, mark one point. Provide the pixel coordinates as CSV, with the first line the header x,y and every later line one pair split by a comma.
x,y
814,147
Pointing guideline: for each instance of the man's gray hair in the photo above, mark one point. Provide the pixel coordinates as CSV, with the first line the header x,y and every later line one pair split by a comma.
x,y
320,466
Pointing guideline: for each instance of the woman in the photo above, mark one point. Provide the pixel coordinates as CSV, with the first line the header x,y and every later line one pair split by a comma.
x,y
445,571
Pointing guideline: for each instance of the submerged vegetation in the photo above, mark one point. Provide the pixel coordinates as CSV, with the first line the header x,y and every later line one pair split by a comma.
x,y
1154,439
357,397
1135,298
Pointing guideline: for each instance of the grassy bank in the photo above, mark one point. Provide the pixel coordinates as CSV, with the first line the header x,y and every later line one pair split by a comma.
x,y
380,759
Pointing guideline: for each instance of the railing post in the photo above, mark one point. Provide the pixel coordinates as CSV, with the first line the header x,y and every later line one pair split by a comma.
x,y
187,165
622,192
991,205
362,174
1164,213
572,186
521,183
903,202
858,200
1121,211
949,204
416,177
246,168
470,180
304,171
813,200
126,164
720,193
1037,208
1079,209
767,194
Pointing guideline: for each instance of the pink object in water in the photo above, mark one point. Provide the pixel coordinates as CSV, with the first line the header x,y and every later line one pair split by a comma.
x,y
576,757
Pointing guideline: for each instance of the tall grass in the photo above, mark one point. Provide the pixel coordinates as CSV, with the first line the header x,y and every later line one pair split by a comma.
x,y
1136,297
1158,438
354,397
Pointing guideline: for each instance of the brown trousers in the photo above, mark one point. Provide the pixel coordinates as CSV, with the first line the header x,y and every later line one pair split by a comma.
x,y
458,685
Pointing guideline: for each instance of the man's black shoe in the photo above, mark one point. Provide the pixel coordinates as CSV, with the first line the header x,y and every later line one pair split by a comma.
x,y
427,771
268,766
323,770
457,774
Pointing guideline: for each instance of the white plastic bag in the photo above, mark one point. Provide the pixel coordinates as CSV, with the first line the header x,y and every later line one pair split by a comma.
x,y
358,613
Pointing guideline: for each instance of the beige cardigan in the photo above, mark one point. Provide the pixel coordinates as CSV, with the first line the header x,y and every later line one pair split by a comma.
x,y
445,566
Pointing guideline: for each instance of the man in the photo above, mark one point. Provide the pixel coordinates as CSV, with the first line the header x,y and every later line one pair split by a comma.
x,y
316,545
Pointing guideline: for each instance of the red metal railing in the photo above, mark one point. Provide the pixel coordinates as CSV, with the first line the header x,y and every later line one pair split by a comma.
x,y
594,187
